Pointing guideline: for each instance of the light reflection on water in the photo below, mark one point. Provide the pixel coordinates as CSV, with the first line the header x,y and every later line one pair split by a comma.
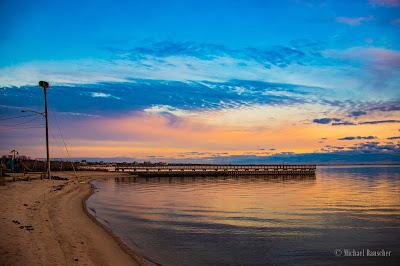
x,y
256,220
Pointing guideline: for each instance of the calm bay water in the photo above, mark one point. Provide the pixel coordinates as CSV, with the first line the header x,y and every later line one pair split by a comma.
x,y
257,221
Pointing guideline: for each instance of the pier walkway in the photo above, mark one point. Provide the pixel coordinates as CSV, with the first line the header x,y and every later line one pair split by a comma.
x,y
218,170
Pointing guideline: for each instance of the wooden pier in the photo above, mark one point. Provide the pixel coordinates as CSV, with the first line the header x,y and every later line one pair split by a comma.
x,y
218,170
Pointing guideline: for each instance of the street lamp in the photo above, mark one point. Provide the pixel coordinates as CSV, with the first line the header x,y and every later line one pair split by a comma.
x,y
45,85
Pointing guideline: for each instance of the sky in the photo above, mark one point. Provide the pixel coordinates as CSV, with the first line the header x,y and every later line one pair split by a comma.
x,y
203,81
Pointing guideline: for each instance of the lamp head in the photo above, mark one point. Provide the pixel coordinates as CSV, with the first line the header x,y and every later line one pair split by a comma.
x,y
43,84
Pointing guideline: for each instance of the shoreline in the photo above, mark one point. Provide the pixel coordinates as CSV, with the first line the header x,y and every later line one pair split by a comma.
x,y
141,260
45,222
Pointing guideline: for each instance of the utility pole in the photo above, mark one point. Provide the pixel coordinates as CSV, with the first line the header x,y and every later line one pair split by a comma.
x,y
45,85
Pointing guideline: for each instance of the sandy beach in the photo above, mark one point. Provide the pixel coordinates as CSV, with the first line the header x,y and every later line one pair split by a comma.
x,y
44,222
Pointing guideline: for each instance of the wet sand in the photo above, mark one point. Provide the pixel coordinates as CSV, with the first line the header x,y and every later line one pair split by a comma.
x,y
44,222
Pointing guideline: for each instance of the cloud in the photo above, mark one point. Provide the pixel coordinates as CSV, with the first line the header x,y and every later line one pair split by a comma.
x,y
357,113
396,137
385,107
365,147
386,3
376,147
333,121
77,114
299,51
340,122
380,66
102,95
357,138
180,68
164,49
301,62
379,122
353,21
371,108
174,116
163,97
369,55
325,120
381,107
344,123
165,109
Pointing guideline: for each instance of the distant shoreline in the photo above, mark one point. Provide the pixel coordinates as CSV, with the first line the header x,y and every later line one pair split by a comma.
x,y
367,164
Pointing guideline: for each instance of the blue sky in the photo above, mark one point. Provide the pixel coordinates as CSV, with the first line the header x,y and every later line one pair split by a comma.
x,y
50,30
221,66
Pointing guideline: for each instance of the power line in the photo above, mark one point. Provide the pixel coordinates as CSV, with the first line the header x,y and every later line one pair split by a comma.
x,y
26,122
22,123
55,142
65,145
16,117
23,128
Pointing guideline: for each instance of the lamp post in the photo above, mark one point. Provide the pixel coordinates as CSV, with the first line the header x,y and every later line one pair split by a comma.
x,y
45,85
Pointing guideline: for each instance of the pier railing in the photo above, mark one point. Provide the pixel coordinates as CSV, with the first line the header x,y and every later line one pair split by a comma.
x,y
208,170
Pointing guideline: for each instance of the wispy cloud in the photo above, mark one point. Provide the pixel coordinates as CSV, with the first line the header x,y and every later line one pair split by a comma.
x,y
173,68
376,147
371,107
78,114
301,62
357,138
348,123
384,107
368,147
333,121
298,51
379,122
357,113
326,120
381,66
343,123
387,3
103,95
353,21
165,97
374,56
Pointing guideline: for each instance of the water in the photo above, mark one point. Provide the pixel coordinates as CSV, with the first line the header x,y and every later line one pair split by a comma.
x,y
257,221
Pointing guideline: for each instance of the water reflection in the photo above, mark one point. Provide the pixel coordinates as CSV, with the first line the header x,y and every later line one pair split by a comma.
x,y
256,220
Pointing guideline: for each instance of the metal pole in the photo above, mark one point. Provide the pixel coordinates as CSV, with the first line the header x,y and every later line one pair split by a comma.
x,y
47,132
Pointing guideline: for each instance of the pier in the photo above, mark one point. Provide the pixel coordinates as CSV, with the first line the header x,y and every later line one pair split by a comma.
x,y
218,170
